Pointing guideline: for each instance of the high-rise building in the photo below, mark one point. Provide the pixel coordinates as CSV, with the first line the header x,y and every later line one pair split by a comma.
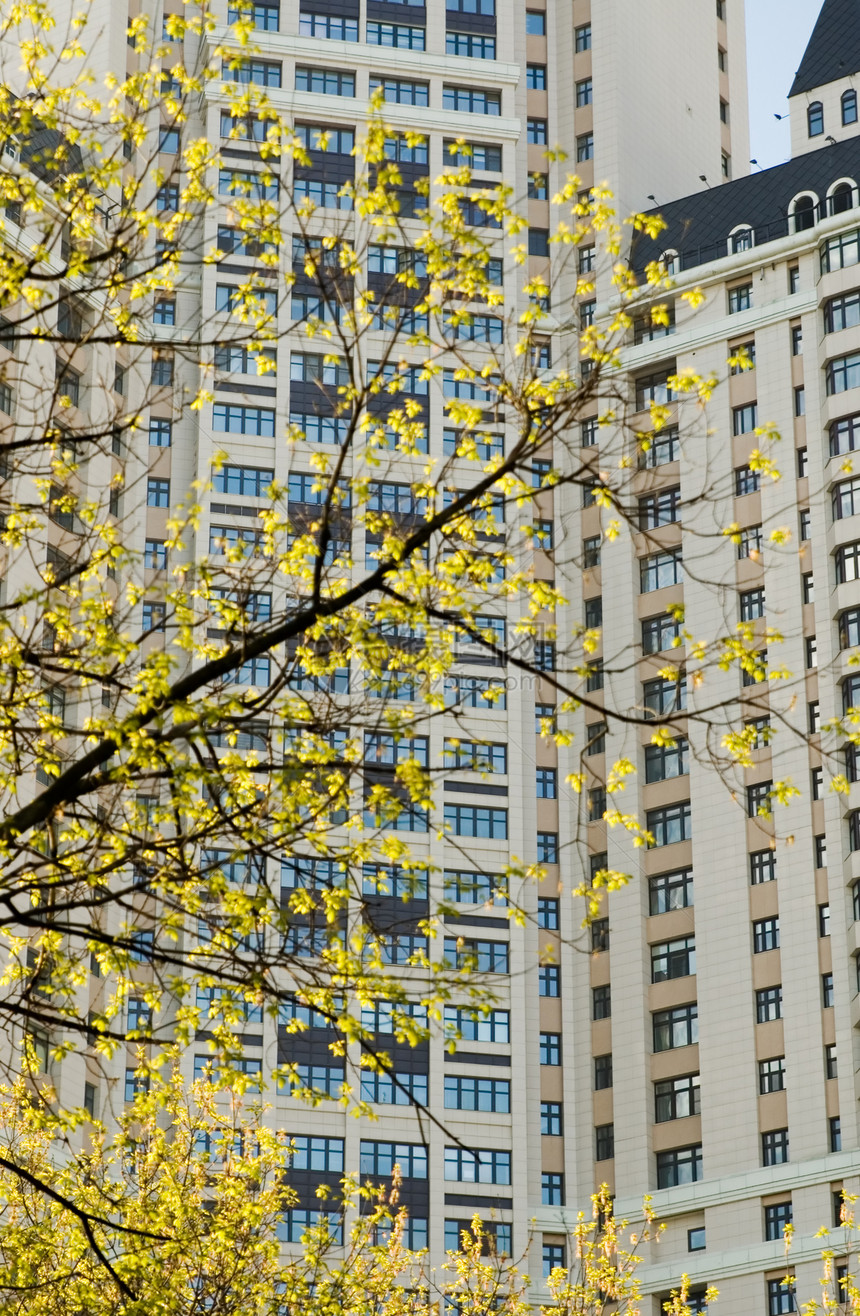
x,y
651,116
702,1049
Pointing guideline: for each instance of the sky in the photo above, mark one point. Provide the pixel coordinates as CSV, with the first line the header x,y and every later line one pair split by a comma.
x,y
777,33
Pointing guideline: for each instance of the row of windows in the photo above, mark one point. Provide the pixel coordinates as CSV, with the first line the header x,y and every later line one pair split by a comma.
x,y
342,82
768,1007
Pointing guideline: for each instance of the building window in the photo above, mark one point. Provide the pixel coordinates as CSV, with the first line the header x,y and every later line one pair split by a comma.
x,y
549,980
601,1002
379,1159
480,1166
551,1189
329,82
595,739
154,616
600,934
774,1147
683,1165
830,1063
164,311
602,1072
604,1142
762,866
553,1258
231,419
547,847
796,340
551,1119
536,132
654,389
535,23
750,542
585,147
550,1048
843,373
664,695
157,493
673,959
591,551
263,14
771,1075
780,1297
676,1027
842,312
747,481
745,418
155,554
402,37
849,107
167,197
663,508
582,38
815,119
768,1004
670,824
740,298
162,368
660,570
824,920
661,449
752,604
469,100
758,798
662,762
826,991
536,77
845,436
584,92
835,1131
670,891
776,1217
677,1098
765,935
696,1239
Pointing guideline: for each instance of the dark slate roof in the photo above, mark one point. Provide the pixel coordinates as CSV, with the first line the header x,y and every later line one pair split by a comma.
x,y
49,154
834,47
698,226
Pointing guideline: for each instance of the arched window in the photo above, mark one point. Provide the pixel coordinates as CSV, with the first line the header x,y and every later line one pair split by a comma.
x,y
742,239
841,198
815,119
672,261
804,213
849,107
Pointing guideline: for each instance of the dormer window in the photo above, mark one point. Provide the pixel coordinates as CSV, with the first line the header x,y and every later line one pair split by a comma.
x,y
815,119
849,107
841,198
742,239
804,213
